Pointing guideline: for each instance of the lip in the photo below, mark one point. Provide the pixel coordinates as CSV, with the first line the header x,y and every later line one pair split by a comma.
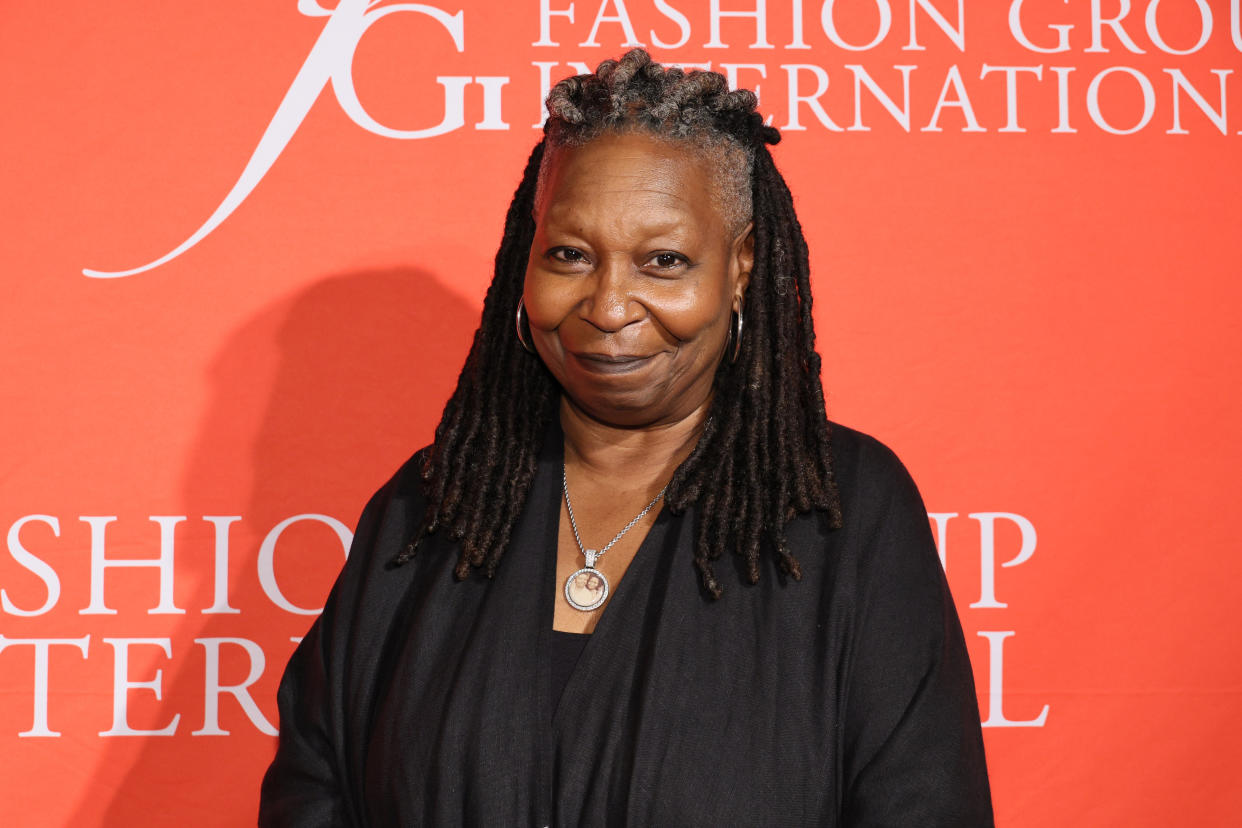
x,y
604,363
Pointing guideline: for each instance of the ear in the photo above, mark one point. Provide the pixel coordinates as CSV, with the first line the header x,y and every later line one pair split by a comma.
x,y
743,262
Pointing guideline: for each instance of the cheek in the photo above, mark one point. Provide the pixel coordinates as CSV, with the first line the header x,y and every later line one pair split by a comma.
x,y
700,313
547,301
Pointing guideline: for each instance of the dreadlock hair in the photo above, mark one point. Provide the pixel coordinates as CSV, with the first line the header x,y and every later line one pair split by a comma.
x,y
764,453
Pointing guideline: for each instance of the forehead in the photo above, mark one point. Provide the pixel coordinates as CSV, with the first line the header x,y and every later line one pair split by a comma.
x,y
651,180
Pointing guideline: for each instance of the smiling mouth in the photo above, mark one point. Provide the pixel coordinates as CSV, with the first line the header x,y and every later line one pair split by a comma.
x,y
612,363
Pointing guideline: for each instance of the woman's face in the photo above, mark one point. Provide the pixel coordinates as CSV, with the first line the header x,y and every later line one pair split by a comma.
x,y
631,279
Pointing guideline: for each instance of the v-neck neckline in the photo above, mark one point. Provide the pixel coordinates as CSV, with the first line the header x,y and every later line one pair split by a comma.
x,y
610,636
641,563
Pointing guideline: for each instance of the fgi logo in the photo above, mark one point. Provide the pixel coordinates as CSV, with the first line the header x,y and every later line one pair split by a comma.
x,y
331,61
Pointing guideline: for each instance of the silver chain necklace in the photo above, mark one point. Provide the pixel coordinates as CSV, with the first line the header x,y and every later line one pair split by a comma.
x,y
587,588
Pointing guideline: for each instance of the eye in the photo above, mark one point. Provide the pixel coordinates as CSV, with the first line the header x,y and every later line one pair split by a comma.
x,y
667,260
566,255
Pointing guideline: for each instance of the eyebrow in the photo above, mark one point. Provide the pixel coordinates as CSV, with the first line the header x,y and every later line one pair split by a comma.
x,y
678,227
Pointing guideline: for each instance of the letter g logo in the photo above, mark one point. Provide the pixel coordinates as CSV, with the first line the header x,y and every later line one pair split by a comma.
x,y
331,59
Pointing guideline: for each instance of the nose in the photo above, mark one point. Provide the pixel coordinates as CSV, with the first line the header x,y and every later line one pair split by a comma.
x,y
610,304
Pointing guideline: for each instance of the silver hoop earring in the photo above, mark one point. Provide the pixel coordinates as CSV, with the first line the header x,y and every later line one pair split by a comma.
x,y
737,336
517,324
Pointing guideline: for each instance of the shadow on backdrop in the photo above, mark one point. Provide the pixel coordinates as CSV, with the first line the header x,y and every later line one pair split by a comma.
x,y
315,402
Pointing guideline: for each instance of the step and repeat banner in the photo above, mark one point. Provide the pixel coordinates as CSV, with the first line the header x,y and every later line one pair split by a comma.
x,y
244,250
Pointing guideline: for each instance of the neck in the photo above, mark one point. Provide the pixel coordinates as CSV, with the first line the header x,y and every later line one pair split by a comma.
x,y
644,455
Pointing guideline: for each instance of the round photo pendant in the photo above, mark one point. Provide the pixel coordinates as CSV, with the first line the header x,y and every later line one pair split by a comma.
x,y
586,589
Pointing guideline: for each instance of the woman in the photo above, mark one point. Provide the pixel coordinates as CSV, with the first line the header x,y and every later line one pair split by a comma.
x,y
638,579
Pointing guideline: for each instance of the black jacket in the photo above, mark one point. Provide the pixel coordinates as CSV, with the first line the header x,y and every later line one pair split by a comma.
x,y
845,698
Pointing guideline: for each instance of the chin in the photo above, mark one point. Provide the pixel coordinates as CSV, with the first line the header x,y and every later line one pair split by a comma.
x,y
622,409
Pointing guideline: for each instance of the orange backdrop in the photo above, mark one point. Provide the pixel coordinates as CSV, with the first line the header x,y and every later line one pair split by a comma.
x,y
1024,221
